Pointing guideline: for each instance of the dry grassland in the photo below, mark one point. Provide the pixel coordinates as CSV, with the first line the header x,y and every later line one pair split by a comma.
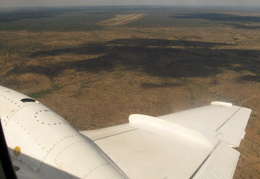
x,y
98,78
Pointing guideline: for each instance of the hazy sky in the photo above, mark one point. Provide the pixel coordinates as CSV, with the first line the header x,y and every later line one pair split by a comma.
x,y
29,3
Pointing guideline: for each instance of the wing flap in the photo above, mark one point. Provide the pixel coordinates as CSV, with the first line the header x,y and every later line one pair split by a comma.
x,y
220,164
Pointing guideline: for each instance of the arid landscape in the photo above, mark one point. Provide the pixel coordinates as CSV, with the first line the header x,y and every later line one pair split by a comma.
x,y
96,66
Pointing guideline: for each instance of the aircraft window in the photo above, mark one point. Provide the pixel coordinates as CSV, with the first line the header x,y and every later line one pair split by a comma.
x,y
25,100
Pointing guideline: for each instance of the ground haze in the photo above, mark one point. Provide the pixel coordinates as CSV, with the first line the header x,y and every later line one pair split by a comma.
x,y
95,70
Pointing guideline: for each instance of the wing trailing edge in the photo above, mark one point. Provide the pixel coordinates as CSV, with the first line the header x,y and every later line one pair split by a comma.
x,y
221,163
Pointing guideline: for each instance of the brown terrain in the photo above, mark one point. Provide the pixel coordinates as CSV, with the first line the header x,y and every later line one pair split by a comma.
x,y
158,63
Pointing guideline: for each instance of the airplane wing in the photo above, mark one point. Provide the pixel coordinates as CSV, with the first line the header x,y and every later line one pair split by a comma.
x,y
197,143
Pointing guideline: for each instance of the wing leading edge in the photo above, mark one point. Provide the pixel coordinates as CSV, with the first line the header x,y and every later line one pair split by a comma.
x,y
196,143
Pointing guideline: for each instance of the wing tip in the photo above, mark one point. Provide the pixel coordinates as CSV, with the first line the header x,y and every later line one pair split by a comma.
x,y
222,104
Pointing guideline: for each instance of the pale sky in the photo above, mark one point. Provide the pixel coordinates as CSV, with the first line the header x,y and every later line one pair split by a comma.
x,y
30,3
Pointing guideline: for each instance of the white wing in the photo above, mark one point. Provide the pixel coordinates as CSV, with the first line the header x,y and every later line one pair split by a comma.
x,y
192,144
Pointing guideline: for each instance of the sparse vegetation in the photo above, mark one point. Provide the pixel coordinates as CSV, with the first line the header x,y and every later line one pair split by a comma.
x,y
169,60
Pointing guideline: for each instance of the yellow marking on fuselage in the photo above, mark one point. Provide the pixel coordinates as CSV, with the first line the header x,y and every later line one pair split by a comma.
x,y
17,151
